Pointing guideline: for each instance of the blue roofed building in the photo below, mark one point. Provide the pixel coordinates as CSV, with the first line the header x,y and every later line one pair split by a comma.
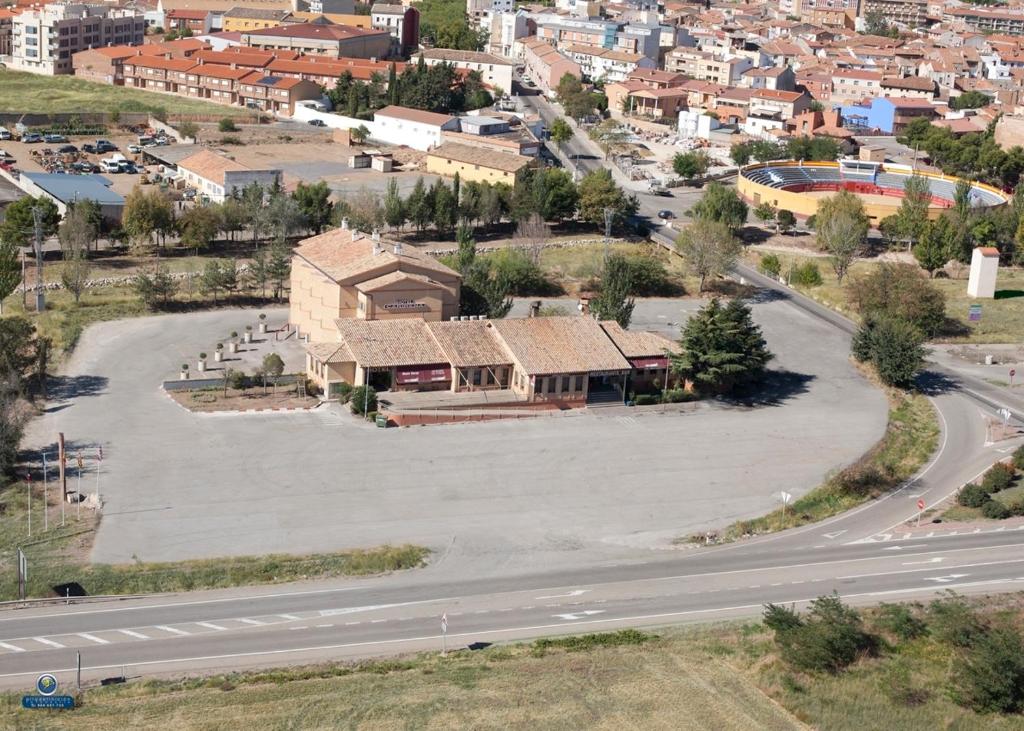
x,y
65,190
885,115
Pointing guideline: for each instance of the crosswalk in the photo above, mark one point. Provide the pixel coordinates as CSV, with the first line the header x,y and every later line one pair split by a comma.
x,y
139,634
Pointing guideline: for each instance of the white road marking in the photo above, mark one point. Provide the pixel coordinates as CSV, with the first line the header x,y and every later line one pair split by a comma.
x,y
325,625
255,622
93,638
579,615
946,579
834,535
574,592
350,624
12,648
172,630
211,625
288,616
377,621
133,633
934,559
45,641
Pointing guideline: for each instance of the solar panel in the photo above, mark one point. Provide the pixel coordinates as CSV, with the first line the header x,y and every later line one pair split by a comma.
x,y
269,80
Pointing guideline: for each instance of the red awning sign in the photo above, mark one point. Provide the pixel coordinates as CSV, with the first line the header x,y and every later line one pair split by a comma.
x,y
406,376
641,363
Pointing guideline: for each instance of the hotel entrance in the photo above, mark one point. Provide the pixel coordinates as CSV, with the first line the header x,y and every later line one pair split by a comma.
x,y
606,387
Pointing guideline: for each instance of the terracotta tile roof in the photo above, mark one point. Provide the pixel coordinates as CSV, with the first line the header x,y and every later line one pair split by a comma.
x,y
315,31
452,56
472,343
390,278
340,258
330,352
159,62
542,345
253,60
914,83
784,96
389,343
414,115
483,157
637,343
215,71
210,166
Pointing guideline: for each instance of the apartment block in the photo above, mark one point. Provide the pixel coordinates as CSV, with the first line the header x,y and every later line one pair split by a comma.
x,y
908,12
44,39
705,66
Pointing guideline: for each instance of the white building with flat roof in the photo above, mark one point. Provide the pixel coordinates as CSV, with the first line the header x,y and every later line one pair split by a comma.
x,y
44,39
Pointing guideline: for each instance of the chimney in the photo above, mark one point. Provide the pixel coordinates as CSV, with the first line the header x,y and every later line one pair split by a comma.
x,y
535,308
377,248
398,248
344,224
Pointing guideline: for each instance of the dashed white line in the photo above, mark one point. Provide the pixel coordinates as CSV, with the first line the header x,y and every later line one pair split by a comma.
x,y
211,625
172,630
253,621
133,633
45,641
325,625
93,638
288,616
350,624
377,621
12,648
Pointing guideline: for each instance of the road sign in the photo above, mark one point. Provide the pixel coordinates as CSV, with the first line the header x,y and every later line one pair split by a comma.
x,y
1013,372
48,701
974,313
920,504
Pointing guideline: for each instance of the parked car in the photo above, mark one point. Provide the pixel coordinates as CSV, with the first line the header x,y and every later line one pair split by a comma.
x,y
89,147
67,149
5,134
105,146
666,215
54,139
317,123
189,194
135,149
31,137
84,167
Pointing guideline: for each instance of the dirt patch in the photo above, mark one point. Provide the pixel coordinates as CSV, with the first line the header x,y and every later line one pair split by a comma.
x,y
253,399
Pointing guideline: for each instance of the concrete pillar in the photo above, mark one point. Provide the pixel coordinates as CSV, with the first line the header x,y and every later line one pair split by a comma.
x,y
984,269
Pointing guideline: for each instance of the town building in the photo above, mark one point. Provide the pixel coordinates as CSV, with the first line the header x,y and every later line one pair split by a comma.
x,y
1009,20
322,38
66,190
705,66
886,115
241,19
476,164
413,128
546,66
44,39
185,19
599,64
505,29
909,12
402,22
494,70
274,94
332,7
216,177
6,31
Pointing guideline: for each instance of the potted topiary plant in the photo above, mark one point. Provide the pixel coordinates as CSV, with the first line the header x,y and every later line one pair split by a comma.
x,y
248,333
263,323
201,365
233,345
218,354
184,371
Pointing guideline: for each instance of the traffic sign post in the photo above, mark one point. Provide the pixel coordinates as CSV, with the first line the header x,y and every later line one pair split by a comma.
x,y
444,634
1013,372
920,509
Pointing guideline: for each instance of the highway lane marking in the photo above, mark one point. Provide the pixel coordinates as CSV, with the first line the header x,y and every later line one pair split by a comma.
x,y
12,648
946,579
133,633
172,630
935,568
574,592
187,604
254,622
46,641
288,616
433,638
211,625
578,615
93,638
325,625
934,559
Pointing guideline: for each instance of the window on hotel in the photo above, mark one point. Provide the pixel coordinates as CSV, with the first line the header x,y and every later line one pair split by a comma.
x,y
489,380
503,376
579,383
552,382
565,384
539,386
476,376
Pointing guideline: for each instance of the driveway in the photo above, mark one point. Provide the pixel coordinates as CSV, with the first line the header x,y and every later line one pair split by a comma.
x,y
599,486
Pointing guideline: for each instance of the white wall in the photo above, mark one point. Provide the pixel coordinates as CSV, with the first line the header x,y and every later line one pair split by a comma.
x,y
417,135
304,113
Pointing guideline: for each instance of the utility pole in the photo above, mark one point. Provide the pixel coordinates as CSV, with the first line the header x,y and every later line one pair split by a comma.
x,y
609,215
37,221
22,573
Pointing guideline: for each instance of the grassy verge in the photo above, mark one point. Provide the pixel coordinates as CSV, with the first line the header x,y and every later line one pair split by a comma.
x,y
36,94
910,438
725,677
60,556
1002,318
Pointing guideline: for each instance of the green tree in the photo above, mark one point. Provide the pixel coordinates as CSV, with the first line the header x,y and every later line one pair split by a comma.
x,y
395,213
213,279
899,290
285,217
765,212
259,271
18,224
188,130
597,191
721,348
273,367
446,208
314,202
420,206
76,233
155,287
785,221
721,204
466,255
708,248
561,132
932,249
970,100
913,213
690,165
842,229
893,346
613,301
231,217
199,226
227,124
279,267
740,153
91,212
363,400
10,271
830,638
253,200
989,677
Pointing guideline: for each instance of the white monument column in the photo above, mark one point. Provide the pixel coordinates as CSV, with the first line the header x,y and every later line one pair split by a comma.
x,y
984,268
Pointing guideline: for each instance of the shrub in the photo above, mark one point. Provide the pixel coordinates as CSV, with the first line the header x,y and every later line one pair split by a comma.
x,y
519,273
995,510
828,639
990,676
342,390
900,291
954,622
805,275
1018,458
231,140
972,496
227,124
1016,507
363,399
678,396
893,346
897,685
901,621
771,265
648,277
645,399
239,381
998,477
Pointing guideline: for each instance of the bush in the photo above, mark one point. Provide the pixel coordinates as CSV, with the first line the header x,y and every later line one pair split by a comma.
x,y
900,291
342,390
771,265
805,275
519,273
954,622
990,676
972,496
893,346
231,140
227,124
1018,458
239,381
645,399
362,400
995,510
828,639
998,477
1016,508
678,396
901,621
648,277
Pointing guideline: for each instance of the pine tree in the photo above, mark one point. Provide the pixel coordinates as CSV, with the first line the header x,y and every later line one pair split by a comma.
x,y
279,266
932,248
721,348
395,213
393,96
613,302
419,206
467,250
